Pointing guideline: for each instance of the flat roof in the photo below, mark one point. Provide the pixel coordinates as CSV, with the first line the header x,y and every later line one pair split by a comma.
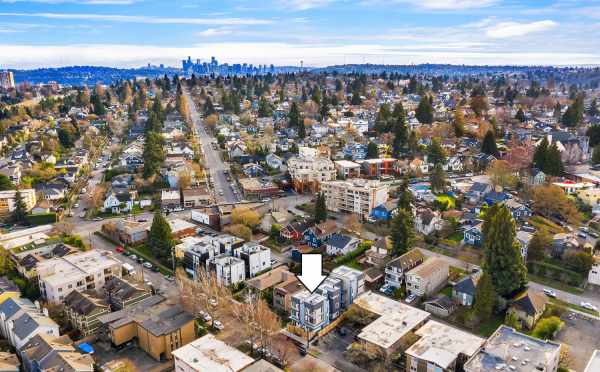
x,y
210,354
441,344
510,351
391,327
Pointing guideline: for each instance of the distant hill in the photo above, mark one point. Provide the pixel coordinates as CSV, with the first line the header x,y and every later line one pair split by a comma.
x,y
89,75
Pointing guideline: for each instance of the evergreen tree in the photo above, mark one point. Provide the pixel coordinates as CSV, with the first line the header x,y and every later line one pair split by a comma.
x,y
372,150
485,298
574,113
594,133
520,116
264,108
160,238
502,253
405,197
5,183
402,234
596,155
320,208
438,178
437,155
424,112
557,111
553,163
209,109
97,104
459,122
536,249
383,117
400,133
301,129
593,110
540,154
294,116
153,153
356,100
19,214
488,146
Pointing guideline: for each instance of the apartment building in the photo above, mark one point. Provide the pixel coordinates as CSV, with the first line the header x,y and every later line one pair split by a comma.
x,y
197,254
355,195
514,351
82,271
308,170
8,200
309,311
229,270
428,277
256,258
159,325
352,284
21,319
82,310
122,294
441,348
398,267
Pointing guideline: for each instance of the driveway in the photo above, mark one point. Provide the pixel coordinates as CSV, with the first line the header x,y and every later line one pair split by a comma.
x,y
582,336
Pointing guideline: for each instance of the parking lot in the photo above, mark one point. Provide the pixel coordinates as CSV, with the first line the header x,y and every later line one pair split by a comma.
x,y
581,334
333,345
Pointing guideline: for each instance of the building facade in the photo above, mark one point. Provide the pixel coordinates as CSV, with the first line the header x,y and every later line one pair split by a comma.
x,y
356,196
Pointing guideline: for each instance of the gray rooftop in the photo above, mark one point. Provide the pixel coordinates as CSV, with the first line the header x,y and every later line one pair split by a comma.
x,y
510,351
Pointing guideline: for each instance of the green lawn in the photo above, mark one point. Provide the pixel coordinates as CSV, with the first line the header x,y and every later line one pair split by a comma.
x,y
565,304
554,284
488,327
447,291
446,199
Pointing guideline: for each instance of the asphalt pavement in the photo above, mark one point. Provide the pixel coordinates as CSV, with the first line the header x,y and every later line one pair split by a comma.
x,y
223,189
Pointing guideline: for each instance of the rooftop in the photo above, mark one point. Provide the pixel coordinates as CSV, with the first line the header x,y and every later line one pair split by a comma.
x,y
428,267
442,344
510,351
57,270
210,354
397,320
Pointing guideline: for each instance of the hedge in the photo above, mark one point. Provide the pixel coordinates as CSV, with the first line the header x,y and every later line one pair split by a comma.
x,y
548,270
362,248
41,219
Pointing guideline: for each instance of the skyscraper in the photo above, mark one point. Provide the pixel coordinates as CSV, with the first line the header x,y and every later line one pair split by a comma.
x,y
7,80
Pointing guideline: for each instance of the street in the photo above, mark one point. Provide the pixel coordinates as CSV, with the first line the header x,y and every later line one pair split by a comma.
x,y
222,188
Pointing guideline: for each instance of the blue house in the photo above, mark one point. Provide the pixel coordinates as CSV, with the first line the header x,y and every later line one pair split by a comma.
x,y
317,235
384,211
355,151
494,197
473,234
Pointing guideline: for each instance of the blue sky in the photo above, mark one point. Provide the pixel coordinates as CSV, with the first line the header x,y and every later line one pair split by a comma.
x,y
37,33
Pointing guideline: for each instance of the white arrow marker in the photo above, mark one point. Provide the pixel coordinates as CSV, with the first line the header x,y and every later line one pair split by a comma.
x,y
312,274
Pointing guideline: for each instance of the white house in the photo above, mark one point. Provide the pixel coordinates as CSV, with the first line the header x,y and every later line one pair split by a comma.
x,y
229,270
428,277
428,221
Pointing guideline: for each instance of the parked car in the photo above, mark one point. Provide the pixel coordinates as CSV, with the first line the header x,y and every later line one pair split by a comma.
x,y
120,249
589,306
593,234
410,299
133,257
206,317
169,278
140,260
218,325
147,265
582,235
549,293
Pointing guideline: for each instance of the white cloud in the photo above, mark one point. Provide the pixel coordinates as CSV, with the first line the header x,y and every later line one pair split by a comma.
x,y
212,32
143,19
304,4
32,56
451,4
511,29
84,2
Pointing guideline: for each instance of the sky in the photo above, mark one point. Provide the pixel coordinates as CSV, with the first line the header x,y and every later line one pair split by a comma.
x,y
131,33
